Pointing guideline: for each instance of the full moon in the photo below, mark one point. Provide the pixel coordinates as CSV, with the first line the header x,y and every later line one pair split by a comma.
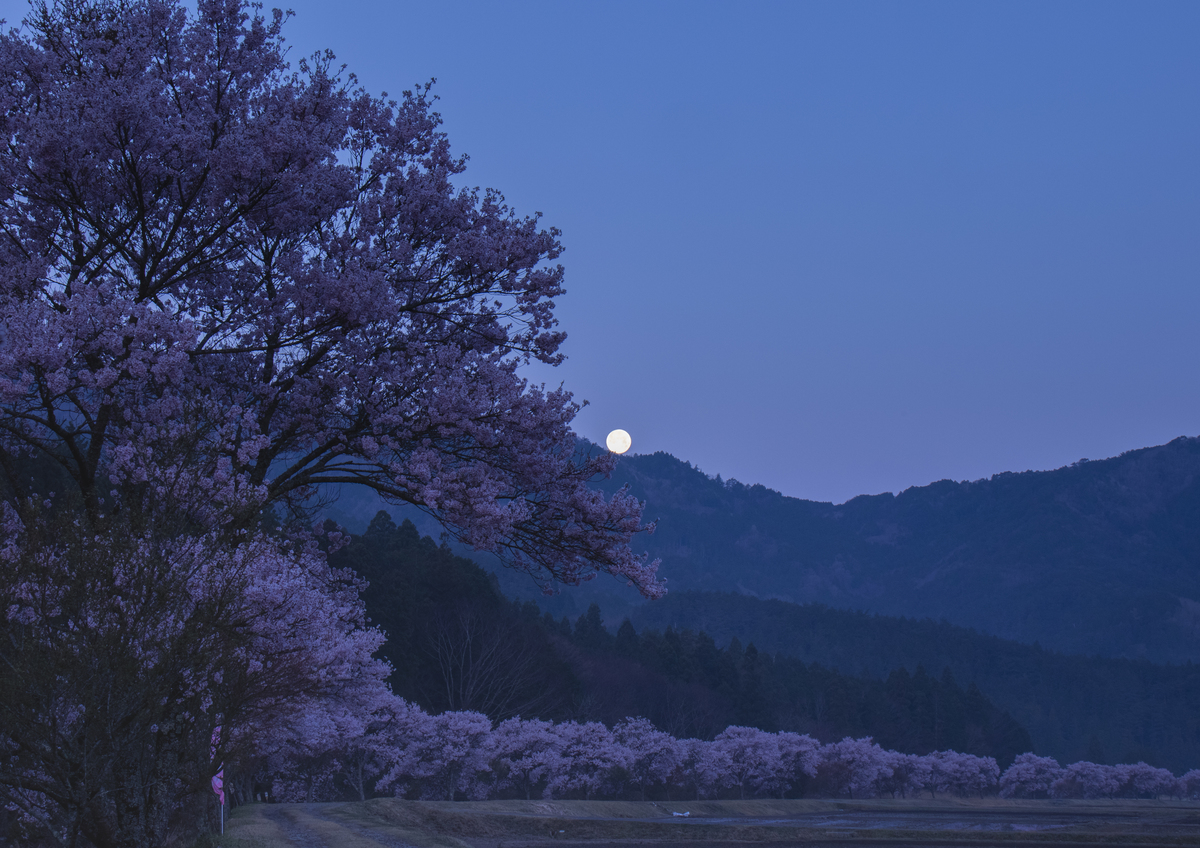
x,y
618,441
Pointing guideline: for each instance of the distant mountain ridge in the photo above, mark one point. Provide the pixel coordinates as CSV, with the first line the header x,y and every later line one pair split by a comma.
x,y
1099,557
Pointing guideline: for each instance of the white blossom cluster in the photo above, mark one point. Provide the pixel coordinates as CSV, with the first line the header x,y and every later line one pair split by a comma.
x,y
464,755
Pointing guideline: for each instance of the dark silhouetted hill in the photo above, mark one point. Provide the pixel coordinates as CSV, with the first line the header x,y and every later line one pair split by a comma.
x,y
1100,557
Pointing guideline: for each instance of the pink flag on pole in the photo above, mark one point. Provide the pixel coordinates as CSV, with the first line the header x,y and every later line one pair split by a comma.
x,y
218,780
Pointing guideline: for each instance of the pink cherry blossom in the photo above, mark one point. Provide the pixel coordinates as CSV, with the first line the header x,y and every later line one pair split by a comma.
x,y
589,758
439,757
1030,776
524,754
1087,780
224,282
858,766
654,756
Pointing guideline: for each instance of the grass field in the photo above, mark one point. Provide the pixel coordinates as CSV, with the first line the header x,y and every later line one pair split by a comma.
x,y
886,823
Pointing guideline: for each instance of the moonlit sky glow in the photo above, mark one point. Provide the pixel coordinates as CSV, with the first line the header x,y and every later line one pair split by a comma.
x,y
837,247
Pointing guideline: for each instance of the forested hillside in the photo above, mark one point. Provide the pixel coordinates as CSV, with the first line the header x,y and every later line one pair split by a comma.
x,y
456,643
1100,709
1100,557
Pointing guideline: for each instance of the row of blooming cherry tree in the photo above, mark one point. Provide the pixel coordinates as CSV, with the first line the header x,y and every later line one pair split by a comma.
x,y
463,755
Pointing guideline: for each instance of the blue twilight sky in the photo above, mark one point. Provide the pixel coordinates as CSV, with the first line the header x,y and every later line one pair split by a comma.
x,y
838,247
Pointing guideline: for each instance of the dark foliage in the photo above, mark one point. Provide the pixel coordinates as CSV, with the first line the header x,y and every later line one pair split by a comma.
x,y
421,594
683,682
453,641
1075,708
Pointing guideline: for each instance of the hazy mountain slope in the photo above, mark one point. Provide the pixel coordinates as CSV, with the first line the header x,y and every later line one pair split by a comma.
x,y
1073,707
1099,557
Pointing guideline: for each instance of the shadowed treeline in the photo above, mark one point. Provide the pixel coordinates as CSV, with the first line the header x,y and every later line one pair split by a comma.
x,y
695,663
457,644
1094,708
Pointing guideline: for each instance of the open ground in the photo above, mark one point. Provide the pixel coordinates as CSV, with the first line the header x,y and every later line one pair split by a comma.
x,y
906,823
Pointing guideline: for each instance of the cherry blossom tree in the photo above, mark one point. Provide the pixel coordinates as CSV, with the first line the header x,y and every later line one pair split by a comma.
x,y
124,654
748,755
712,767
654,756
1142,780
440,756
1087,780
1030,776
525,752
962,774
854,766
797,761
748,758
225,282
911,773
327,749
589,759
693,772
1189,784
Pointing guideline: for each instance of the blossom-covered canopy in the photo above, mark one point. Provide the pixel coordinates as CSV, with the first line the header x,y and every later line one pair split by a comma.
x,y
225,281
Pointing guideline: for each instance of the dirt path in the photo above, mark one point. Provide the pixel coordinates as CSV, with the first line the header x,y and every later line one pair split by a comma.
x,y
291,825
374,835
318,826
